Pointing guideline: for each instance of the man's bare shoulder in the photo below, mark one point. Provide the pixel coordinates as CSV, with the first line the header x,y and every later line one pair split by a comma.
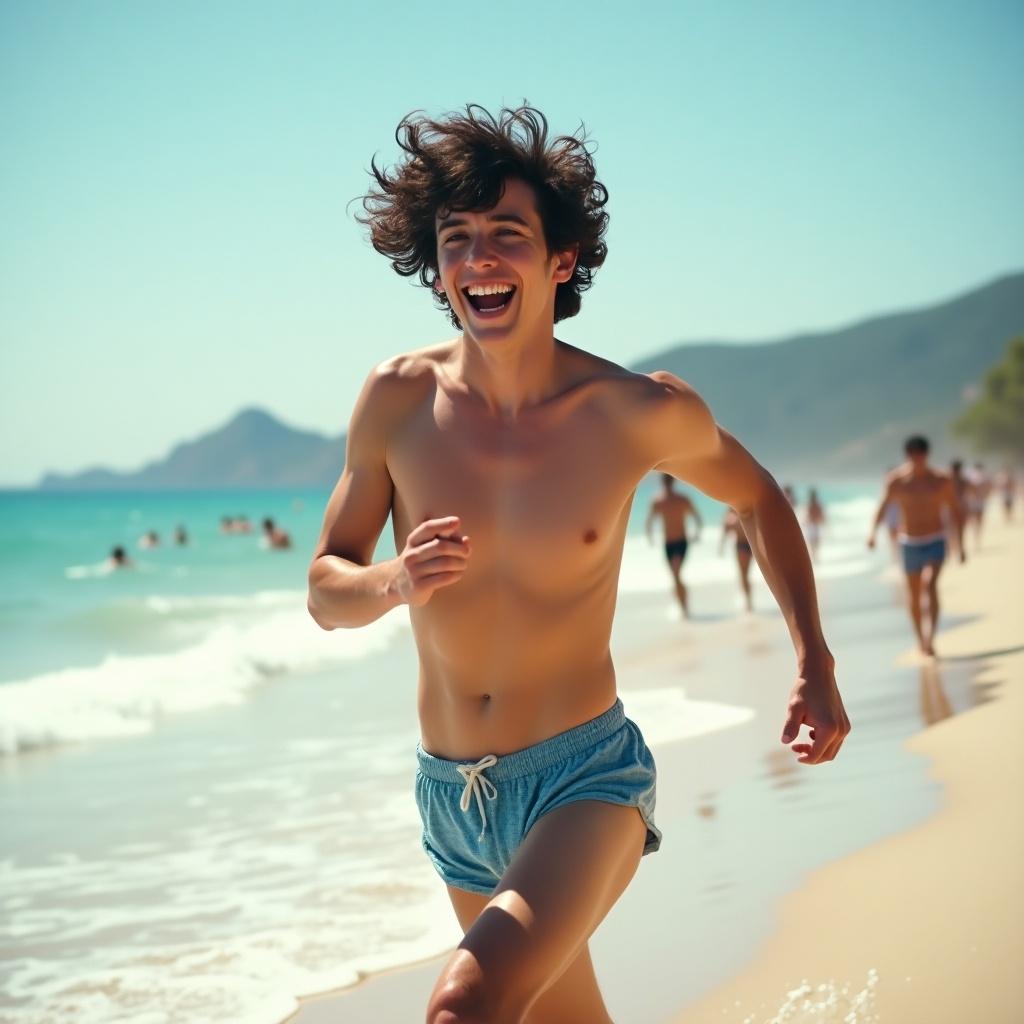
x,y
410,368
635,392
656,410
404,379
898,476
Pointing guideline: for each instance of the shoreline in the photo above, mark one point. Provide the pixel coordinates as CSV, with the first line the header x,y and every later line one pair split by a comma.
x,y
924,925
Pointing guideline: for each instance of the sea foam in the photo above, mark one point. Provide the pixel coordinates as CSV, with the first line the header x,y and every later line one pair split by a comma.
x,y
126,694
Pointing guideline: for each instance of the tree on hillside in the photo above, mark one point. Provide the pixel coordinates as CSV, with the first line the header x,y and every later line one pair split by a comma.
x,y
995,422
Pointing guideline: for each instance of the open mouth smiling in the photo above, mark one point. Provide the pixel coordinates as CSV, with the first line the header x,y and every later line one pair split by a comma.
x,y
489,299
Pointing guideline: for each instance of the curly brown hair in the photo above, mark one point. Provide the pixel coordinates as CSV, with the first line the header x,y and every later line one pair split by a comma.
x,y
461,162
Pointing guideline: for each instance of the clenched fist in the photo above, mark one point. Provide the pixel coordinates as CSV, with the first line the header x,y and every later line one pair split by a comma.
x,y
435,555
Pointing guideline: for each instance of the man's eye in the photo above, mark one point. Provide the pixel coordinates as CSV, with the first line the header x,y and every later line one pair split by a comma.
x,y
454,238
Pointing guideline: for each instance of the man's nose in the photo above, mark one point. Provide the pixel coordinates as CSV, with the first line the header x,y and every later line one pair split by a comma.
x,y
480,254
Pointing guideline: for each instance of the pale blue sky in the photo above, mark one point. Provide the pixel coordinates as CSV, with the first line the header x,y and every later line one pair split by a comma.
x,y
176,242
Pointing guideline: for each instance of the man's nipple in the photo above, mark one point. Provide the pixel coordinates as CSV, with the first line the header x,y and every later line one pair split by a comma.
x,y
590,536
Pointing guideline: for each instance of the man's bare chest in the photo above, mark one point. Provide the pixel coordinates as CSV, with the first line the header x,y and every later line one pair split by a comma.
x,y
920,493
533,496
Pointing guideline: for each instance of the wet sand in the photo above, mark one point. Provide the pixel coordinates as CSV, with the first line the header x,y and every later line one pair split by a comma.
x,y
933,914
749,832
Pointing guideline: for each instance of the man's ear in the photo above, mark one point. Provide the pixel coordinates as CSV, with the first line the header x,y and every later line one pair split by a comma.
x,y
565,264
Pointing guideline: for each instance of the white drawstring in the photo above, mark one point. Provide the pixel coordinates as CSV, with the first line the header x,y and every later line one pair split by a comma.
x,y
475,782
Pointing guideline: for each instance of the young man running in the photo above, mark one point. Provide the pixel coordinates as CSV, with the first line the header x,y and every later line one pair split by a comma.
x,y
928,508
674,509
508,461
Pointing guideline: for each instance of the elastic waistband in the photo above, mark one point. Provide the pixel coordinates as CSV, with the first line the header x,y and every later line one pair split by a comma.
x,y
531,759
920,542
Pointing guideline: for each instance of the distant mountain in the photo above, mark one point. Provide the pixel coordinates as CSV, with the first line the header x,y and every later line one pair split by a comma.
x,y
840,403
831,404
253,450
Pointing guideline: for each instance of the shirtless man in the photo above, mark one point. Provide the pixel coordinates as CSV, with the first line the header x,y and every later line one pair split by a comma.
x,y
731,525
674,509
927,500
508,461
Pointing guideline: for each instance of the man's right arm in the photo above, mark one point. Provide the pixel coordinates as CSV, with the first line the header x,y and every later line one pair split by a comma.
x,y
345,589
887,497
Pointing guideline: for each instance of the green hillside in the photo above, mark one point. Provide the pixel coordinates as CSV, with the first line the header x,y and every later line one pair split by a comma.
x,y
840,402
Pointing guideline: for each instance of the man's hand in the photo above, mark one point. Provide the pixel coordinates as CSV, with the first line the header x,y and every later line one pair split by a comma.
x,y
435,555
871,542
815,702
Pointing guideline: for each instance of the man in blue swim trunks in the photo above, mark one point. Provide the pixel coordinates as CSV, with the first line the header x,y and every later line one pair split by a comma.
x,y
674,510
508,462
928,508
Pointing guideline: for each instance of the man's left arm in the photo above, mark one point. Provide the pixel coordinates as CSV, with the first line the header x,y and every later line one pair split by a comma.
x,y
696,450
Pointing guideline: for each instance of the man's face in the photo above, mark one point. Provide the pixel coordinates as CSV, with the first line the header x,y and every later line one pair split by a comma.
x,y
918,459
495,267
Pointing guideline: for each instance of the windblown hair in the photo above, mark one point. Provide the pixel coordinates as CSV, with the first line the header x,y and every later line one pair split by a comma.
x,y
461,162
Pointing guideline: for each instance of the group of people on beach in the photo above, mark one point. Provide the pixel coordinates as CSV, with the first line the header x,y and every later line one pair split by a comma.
x,y
273,537
675,509
925,510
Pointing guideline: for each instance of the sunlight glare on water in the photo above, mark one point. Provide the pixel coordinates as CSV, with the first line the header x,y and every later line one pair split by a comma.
x,y
826,1004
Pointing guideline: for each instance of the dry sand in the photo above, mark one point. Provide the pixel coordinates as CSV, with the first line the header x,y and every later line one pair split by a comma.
x,y
936,912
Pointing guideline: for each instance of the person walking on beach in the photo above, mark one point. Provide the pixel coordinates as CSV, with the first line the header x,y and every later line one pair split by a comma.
x,y
962,489
977,498
926,498
508,461
732,524
1006,481
814,522
674,509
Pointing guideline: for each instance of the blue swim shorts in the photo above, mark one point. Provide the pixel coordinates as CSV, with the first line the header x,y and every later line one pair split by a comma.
x,y
476,814
917,556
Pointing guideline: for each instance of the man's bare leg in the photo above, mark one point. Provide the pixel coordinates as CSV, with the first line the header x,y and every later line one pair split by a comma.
x,y
743,560
914,591
676,565
931,581
575,995
572,867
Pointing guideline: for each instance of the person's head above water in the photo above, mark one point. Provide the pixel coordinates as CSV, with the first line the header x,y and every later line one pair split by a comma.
x,y
483,200
668,481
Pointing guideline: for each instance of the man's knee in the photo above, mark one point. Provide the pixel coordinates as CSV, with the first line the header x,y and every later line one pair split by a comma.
x,y
470,1000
